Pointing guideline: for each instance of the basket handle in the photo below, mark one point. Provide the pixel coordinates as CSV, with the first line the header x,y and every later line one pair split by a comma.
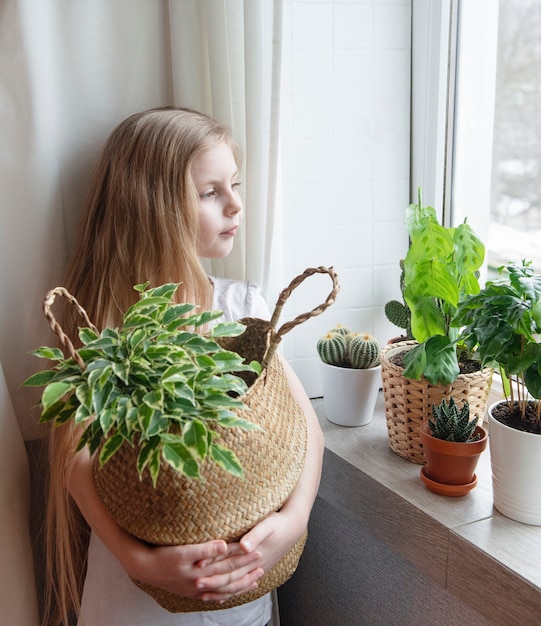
x,y
303,317
55,326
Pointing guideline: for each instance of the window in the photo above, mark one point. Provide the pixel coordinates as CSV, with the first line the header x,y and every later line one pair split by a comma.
x,y
515,205
496,165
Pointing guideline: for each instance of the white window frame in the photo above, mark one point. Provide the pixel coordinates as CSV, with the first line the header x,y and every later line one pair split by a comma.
x,y
431,75
452,109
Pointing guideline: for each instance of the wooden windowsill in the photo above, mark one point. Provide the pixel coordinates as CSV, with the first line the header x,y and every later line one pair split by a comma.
x,y
463,543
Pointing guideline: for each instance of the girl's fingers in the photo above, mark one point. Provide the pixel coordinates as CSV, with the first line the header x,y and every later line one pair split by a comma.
x,y
232,567
222,587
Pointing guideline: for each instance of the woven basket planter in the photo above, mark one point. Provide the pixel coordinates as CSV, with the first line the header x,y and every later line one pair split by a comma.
x,y
181,510
408,403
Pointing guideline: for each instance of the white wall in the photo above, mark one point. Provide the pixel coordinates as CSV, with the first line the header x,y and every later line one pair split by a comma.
x,y
346,168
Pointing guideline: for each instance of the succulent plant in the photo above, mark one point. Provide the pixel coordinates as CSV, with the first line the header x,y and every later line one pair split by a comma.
x,y
343,348
451,423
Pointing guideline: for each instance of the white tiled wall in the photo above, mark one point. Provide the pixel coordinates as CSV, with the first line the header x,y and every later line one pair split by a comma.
x,y
346,144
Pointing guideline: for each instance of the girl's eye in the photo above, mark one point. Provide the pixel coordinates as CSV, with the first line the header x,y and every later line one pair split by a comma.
x,y
236,186
207,194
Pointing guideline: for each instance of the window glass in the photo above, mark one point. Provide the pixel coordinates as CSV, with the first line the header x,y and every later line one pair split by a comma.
x,y
515,199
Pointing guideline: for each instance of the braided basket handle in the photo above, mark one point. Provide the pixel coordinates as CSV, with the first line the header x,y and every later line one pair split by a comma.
x,y
282,298
55,326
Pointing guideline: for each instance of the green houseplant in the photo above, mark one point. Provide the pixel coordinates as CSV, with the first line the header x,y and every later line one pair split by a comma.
x,y
440,270
153,383
351,373
452,443
504,322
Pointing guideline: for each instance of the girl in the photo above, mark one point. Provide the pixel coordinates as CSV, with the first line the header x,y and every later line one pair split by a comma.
x,y
165,193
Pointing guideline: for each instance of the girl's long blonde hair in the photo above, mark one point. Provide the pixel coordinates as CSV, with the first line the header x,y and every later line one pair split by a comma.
x,y
140,224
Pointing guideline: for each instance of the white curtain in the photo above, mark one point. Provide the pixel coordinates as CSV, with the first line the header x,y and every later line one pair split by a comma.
x,y
70,70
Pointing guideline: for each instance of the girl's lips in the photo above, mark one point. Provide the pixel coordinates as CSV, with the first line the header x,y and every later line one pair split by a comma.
x,y
231,233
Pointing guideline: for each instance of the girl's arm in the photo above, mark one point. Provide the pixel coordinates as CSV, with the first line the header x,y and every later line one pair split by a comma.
x,y
208,571
279,531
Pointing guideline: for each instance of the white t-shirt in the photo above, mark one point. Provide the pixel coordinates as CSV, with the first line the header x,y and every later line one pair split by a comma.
x,y
110,598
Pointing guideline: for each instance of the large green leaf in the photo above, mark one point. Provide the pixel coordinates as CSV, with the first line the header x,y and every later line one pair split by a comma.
x,y
433,278
469,250
426,318
441,361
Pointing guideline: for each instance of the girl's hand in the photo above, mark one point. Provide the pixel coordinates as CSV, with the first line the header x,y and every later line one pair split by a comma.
x,y
207,571
273,537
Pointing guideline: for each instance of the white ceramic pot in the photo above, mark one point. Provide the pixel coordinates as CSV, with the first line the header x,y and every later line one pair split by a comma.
x,y
516,468
350,394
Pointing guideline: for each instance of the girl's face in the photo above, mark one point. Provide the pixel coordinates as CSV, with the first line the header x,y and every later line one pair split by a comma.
x,y
215,176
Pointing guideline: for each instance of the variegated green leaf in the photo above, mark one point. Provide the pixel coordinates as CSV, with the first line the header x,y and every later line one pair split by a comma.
x,y
39,379
110,447
54,392
226,459
195,436
180,458
53,354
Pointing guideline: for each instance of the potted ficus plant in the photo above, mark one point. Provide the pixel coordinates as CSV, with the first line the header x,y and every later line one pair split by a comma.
x,y
440,269
187,429
504,322
452,443
150,385
351,375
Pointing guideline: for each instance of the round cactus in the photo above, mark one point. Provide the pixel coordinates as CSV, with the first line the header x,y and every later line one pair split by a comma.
x,y
340,330
362,351
332,349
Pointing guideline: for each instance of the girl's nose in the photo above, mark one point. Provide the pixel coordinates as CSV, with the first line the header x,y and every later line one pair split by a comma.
x,y
234,205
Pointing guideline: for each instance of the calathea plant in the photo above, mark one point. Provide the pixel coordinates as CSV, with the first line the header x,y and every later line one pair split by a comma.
x,y
440,270
154,383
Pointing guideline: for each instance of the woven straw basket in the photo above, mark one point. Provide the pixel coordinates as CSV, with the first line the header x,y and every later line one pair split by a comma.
x,y
408,402
181,510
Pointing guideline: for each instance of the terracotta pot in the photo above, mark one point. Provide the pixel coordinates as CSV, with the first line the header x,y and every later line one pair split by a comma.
x,y
451,462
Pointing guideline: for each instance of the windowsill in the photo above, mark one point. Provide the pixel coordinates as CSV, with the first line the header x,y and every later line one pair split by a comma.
x,y
450,539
